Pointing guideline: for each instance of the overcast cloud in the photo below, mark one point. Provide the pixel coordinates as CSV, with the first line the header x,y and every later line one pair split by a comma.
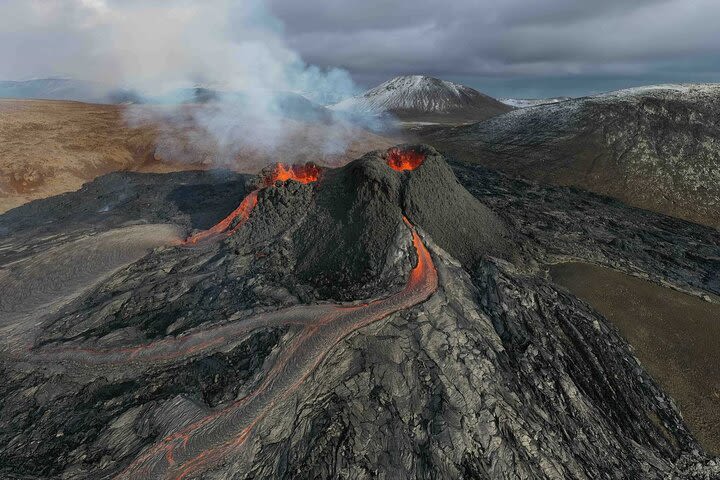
x,y
513,47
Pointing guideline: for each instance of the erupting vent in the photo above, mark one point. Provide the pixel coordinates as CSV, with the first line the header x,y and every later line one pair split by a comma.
x,y
307,173
401,160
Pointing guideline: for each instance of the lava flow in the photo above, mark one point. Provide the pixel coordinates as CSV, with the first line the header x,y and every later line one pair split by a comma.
x,y
307,173
207,443
402,160
241,213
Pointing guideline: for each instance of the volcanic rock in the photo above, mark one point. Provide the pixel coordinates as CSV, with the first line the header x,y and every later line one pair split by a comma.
x,y
345,243
531,102
374,323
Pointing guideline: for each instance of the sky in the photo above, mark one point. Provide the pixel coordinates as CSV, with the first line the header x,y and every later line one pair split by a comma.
x,y
513,48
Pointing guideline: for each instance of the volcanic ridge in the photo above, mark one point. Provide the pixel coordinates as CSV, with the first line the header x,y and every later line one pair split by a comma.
x,y
651,147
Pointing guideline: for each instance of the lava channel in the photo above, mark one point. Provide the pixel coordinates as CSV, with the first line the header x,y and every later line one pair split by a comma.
x,y
204,445
403,160
241,214
307,173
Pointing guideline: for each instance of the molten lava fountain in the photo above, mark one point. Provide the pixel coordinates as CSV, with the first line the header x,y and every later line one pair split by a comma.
x,y
402,160
307,173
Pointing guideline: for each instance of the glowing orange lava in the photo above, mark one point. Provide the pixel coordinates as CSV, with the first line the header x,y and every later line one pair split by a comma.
x,y
307,173
402,160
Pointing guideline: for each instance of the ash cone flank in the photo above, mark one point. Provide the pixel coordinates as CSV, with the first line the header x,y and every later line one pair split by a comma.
x,y
463,226
344,241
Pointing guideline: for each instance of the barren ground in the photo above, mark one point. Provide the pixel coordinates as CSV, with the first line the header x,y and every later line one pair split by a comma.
x,y
675,336
49,147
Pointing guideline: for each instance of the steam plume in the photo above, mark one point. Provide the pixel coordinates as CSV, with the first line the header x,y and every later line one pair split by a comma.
x,y
234,49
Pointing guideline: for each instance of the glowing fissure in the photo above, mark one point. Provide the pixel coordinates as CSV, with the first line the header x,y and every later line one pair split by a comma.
x,y
403,160
307,173
207,442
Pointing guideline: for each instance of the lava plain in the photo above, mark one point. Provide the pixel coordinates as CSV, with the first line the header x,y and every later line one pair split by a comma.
x,y
256,379
210,440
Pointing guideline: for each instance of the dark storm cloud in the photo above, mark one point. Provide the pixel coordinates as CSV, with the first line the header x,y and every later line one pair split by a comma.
x,y
514,38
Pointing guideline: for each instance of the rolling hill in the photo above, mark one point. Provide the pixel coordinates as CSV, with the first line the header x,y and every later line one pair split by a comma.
x,y
656,147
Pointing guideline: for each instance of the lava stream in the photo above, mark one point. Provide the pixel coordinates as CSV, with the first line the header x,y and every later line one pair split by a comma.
x,y
241,213
173,349
207,442
402,160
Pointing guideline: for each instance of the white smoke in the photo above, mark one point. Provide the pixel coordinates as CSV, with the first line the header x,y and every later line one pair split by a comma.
x,y
163,50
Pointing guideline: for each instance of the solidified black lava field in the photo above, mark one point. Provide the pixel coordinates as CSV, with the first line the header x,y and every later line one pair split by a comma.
x,y
374,323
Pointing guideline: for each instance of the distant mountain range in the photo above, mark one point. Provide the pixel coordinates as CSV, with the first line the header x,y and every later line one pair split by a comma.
x,y
91,92
531,102
419,98
54,89
412,98
655,147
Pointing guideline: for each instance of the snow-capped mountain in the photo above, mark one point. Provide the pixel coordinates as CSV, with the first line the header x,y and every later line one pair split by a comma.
x,y
423,98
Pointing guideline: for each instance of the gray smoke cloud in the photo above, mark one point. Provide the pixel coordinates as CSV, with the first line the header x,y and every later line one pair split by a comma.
x,y
158,47
235,50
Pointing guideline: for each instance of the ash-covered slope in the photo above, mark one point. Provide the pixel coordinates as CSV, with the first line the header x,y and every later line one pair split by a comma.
x,y
422,98
349,231
238,356
656,147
